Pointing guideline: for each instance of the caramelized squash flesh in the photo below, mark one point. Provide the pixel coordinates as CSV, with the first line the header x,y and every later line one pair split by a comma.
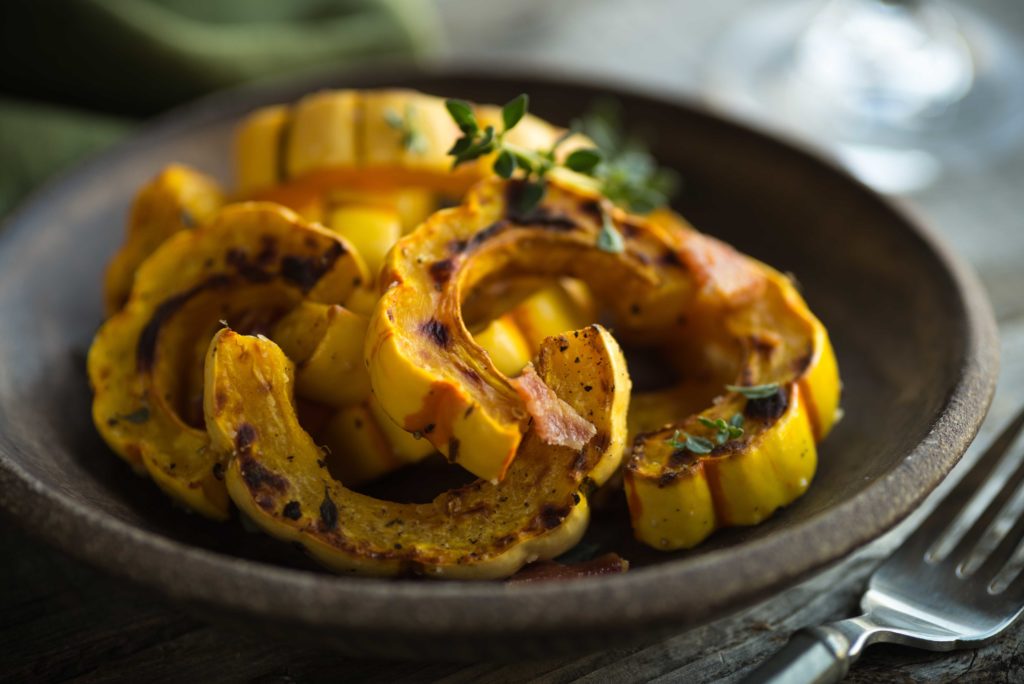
x,y
277,475
251,262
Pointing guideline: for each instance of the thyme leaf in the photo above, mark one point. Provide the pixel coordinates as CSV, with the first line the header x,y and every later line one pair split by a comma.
x,y
755,391
609,239
410,135
698,445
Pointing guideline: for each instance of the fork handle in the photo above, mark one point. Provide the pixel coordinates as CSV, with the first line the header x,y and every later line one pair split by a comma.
x,y
817,655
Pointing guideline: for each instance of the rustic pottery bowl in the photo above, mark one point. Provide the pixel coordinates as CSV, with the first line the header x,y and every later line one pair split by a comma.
x,y
914,334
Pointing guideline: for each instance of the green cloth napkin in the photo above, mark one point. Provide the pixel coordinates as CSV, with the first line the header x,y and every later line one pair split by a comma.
x,y
75,75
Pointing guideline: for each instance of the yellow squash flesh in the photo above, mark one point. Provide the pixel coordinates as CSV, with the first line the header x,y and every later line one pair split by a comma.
x,y
723,315
276,474
251,262
677,497
342,139
426,369
179,198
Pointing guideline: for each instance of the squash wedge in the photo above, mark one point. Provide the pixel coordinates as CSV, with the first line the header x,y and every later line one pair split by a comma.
x,y
252,261
179,198
426,370
678,496
275,472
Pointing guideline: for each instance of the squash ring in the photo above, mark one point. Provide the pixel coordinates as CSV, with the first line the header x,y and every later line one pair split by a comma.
x,y
672,285
261,255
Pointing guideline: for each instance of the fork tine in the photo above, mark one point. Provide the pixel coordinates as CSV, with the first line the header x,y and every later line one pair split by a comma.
x,y
1001,554
946,511
974,535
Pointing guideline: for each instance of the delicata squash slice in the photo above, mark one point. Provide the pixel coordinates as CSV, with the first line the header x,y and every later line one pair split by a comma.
x,y
428,372
723,314
367,140
276,473
178,198
689,478
252,262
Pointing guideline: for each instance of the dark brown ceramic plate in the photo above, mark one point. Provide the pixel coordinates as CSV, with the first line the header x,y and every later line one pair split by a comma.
x,y
914,334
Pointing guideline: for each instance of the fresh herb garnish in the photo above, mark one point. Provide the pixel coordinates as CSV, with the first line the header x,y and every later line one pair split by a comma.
x,y
476,142
697,445
628,174
625,171
724,431
609,239
411,136
755,391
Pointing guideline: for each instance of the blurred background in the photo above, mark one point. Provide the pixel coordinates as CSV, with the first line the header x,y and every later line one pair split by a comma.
x,y
922,99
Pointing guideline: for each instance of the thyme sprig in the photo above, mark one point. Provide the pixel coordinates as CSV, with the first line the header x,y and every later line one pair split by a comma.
x,y
625,172
534,164
628,174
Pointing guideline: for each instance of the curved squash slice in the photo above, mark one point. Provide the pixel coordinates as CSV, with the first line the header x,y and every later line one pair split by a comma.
x,y
368,140
680,491
276,476
253,261
325,343
425,368
179,198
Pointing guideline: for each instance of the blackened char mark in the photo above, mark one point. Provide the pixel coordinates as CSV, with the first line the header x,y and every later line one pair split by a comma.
x,y
551,517
306,272
670,258
441,271
268,250
244,438
485,234
768,408
257,477
292,510
145,348
437,332
328,512
249,270
544,218
593,209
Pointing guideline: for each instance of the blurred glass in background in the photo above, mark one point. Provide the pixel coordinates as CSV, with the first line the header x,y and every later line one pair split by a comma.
x,y
898,90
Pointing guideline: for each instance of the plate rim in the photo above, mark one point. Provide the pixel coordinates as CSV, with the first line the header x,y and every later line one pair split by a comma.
x,y
607,604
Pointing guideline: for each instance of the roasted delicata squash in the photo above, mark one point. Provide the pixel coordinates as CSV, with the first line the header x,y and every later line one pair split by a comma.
x,y
276,474
251,262
732,317
428,372
179,198
325,342
786,399
338,289
373,140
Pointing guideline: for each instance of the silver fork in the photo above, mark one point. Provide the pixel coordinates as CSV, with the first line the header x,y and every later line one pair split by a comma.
x,y
954,583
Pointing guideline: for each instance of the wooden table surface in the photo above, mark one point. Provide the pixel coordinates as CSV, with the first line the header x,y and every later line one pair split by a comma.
x,y
61,621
